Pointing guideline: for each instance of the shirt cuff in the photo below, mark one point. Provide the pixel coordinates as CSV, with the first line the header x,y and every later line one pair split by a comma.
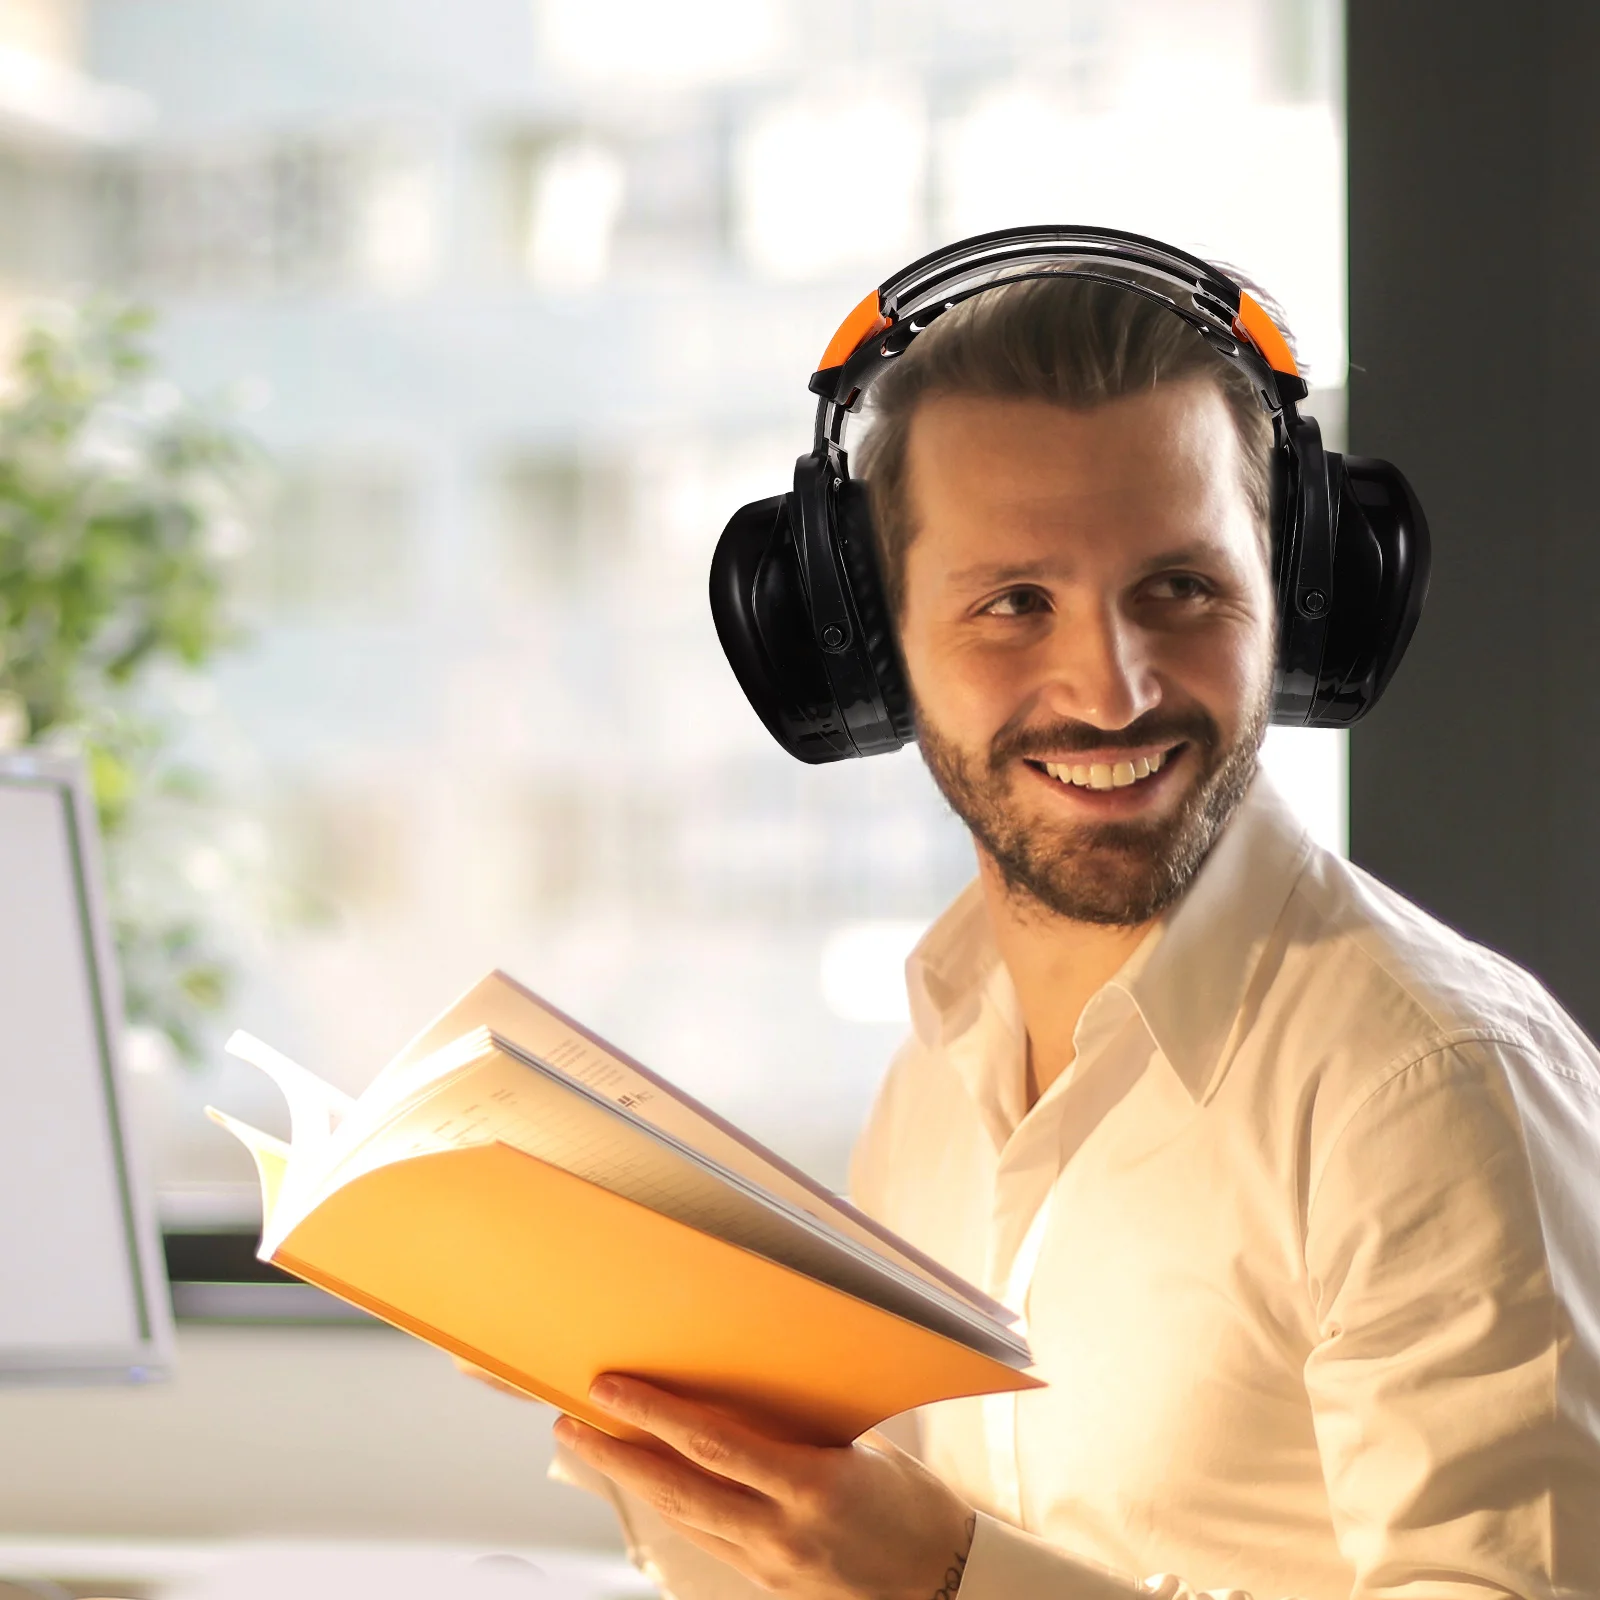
x,y
1007,1564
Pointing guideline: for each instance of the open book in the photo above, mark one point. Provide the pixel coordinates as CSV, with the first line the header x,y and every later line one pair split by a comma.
x,y
515,1191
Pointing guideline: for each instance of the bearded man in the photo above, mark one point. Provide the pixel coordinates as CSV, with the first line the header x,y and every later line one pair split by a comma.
x,y
1295,1187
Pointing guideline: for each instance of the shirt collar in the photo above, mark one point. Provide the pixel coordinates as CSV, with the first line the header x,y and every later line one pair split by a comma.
x,y
1187,979
947,971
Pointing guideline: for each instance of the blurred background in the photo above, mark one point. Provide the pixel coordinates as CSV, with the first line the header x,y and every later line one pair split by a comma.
x,y
469,327
516,302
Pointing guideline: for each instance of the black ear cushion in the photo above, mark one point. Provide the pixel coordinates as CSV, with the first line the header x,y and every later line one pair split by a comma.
x,y
878,641
1278,516
759,607
1400,526
1381,564
1289,706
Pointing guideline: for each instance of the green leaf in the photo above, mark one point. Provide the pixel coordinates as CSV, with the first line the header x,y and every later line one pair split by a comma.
x,y
109,513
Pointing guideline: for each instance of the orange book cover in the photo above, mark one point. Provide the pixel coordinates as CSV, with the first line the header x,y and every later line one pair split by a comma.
x,y
547,1278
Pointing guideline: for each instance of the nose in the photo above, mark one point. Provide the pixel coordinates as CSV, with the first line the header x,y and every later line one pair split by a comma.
x,y
1098,669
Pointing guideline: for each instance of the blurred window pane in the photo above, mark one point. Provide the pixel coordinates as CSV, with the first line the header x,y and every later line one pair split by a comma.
x,y
532,293
865,210
632,42
561,517
337,542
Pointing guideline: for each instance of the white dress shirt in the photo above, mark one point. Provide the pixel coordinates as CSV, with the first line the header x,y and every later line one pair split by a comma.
x,y
1307,1243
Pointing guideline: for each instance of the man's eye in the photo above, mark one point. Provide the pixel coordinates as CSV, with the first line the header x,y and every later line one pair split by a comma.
x,y
1017,603
1180,586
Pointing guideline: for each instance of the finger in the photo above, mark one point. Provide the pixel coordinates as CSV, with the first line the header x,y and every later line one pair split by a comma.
x,y
704,1436
729,1554
674,1488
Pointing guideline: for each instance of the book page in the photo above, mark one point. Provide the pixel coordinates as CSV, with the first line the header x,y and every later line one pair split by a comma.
x,y
494,1093
271,1156
502,1005
315,1108
325,1125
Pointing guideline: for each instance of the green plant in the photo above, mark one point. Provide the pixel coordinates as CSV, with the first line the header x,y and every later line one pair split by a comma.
x,y
119,509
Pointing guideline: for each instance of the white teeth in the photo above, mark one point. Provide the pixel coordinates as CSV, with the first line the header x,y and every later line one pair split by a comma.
x,y
1104,776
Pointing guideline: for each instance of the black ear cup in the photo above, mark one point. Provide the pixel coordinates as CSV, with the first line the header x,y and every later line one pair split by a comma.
x,y
877,639
758,603
1351,558
819,704
1382,557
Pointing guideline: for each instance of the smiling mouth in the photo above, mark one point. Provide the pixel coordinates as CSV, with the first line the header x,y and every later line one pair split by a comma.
x,y
1105,774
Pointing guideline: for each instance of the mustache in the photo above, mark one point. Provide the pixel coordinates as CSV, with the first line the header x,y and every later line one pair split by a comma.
x,y
1055,738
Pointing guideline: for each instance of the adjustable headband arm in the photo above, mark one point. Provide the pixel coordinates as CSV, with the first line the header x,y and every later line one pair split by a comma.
x,y
816,478
988,253
883,327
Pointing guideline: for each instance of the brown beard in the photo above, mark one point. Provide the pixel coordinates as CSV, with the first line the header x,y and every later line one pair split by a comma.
x,y
1118,874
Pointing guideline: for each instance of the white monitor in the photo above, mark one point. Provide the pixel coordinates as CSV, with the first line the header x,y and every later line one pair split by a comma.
x,y
83,1295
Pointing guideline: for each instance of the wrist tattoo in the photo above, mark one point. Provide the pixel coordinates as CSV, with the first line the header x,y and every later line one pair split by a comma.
x,y
952,1578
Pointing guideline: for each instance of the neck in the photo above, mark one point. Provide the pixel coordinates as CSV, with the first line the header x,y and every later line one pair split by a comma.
x,y
1056,964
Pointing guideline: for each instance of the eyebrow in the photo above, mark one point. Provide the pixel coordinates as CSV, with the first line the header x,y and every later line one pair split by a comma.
x,y
1195,553
984,573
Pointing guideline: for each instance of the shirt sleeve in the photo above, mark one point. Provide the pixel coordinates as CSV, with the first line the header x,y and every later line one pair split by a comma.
x,y
1007,1564
1447,1383
1452,1380
872,1158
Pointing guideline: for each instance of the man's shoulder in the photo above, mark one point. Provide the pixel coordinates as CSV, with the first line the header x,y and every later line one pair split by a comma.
x,y
1389,983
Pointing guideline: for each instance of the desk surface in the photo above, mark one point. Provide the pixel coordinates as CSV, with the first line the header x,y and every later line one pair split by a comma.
x,y
337,1433
316,1570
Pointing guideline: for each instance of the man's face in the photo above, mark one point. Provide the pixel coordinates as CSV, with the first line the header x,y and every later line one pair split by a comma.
x,y
1088,629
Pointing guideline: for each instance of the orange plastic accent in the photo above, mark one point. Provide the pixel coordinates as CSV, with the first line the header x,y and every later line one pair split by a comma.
x,y
859,326
1254,324
547,1281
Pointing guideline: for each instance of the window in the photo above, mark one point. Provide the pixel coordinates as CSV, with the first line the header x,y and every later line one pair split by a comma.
x,y
259,210
482,717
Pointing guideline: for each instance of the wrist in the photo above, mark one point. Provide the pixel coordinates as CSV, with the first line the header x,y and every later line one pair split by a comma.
x,y
950,1586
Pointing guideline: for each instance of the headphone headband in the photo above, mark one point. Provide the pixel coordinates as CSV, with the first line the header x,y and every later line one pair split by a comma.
x,y
886,321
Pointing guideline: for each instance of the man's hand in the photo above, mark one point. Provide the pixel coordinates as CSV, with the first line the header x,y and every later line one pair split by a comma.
x,y
862,1522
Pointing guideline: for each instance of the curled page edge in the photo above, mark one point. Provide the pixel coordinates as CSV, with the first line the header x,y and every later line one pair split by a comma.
x,y
313,1104
270,1155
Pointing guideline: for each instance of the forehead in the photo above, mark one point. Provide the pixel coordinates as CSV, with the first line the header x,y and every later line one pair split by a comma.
x,y
1001,481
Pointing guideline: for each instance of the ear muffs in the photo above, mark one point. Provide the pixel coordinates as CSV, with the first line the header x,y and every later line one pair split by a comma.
x,y
759,605
795,589
820,705
1333,666
1382,559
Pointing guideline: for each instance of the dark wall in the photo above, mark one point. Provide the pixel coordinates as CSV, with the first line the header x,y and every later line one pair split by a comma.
x,y
1474,156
